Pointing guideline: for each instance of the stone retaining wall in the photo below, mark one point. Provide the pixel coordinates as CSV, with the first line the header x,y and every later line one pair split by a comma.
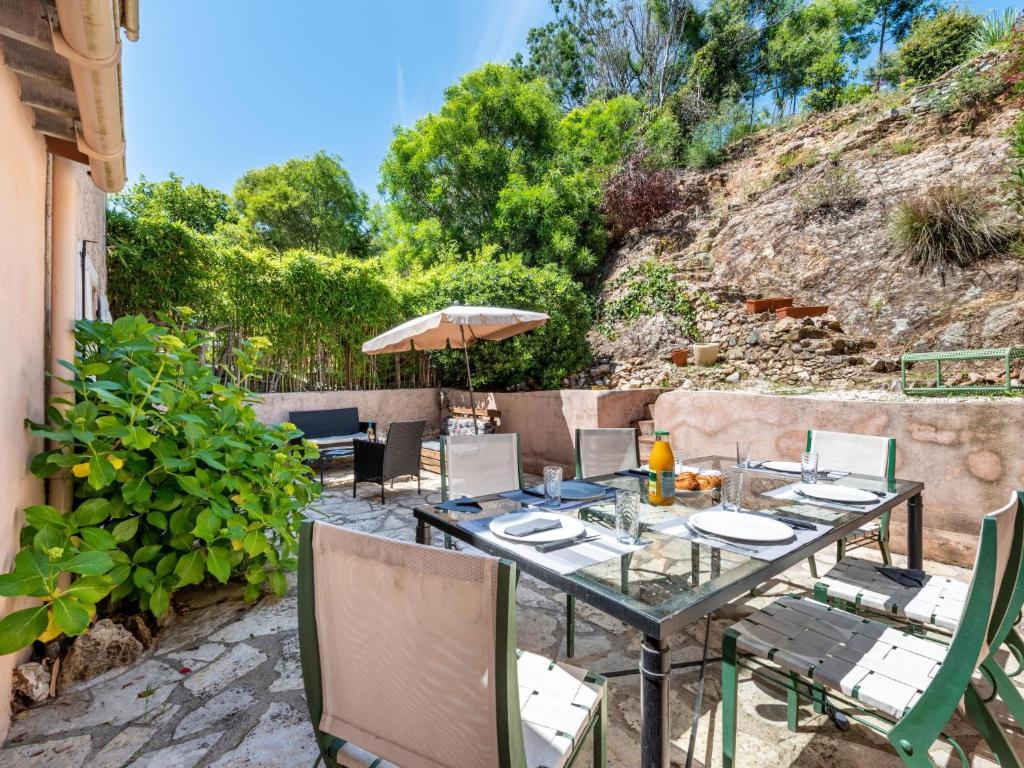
x,y
380,405
967,453
547,421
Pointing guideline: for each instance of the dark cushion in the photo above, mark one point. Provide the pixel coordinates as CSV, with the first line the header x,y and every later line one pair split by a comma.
x,y
336,421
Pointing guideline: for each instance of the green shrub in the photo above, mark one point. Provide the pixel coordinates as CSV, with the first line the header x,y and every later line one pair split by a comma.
x,y
831,194
948,227
901,147
995,30
155,264
1016,180
541,358
649,288
936,45
176,481
971,95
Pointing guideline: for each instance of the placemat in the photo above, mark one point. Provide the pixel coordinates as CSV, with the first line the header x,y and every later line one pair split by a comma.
x,y
562,561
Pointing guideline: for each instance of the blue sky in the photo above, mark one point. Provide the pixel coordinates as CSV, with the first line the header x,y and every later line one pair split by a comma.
x,y
216,87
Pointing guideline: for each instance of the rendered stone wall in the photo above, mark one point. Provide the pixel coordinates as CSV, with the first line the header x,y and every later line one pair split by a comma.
x,y
547,421
380,405
967,453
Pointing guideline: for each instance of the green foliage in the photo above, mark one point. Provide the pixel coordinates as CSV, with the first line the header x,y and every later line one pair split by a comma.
x,y
540,358
177,481
155,263
949,227
196,207
1015,183
307,202
995,30
647,289
936,45
729,123
831,194
315,310
902,147
970,95
453,164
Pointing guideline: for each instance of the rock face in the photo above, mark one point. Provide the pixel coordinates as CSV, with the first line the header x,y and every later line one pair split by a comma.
x,y
743,231
105,647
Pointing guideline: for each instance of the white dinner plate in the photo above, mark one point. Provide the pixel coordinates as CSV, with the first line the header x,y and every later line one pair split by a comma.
x,y
571,527
741,526
838,493
790,467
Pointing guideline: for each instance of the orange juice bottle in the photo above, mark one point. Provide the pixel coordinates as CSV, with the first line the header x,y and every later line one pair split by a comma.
x,y
661,486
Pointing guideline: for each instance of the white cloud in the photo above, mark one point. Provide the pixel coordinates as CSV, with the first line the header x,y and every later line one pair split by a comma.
x,y
504,31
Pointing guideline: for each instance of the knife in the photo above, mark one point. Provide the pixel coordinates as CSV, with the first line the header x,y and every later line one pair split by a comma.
x,y
556,545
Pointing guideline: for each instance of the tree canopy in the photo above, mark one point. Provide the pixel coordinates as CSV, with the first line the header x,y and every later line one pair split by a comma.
x,y
307,202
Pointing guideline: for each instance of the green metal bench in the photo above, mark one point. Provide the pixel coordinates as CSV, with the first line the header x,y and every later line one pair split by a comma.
x,y
1006,354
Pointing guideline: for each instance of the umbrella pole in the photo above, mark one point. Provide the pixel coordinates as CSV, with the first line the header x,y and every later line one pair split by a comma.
x,y
469,380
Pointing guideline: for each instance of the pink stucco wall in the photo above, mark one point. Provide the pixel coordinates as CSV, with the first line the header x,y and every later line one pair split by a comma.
x,y
966,453
22,291
547,421
380,405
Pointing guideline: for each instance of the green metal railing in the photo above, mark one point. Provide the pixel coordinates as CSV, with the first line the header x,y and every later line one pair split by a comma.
x,y
1005,354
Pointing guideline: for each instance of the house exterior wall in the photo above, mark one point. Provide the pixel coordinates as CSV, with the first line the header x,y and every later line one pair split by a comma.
x,y
966,453
77,214
23,174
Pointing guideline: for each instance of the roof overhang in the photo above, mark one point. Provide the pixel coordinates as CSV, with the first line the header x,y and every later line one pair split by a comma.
x,y
66,56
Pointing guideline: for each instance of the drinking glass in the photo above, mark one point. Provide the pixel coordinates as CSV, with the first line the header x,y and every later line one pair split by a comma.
x,y
627,516
809,467
742,454
732,490
553,485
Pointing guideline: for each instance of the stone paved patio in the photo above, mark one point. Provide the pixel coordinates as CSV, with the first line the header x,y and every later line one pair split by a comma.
x,y
240,702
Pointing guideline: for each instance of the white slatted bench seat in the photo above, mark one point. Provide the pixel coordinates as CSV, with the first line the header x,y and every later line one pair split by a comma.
x,y
856,581
881,667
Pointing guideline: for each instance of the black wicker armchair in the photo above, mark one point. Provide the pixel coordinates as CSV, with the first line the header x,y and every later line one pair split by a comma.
x,y
398,456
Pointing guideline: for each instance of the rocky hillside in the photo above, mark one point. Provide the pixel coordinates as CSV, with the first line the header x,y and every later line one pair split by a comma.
x,y
801,210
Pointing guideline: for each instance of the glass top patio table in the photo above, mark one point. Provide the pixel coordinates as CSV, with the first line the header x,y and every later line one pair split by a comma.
x,y
675,581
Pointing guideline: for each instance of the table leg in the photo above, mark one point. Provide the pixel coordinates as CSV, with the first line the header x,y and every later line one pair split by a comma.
x,y
423,532
655,668
915,532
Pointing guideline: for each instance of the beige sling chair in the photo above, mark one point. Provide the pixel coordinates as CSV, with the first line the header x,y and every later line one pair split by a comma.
x,y
409,659
604,450
871,455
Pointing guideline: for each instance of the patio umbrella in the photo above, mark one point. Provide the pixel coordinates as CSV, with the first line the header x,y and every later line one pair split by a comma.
x,y
456,327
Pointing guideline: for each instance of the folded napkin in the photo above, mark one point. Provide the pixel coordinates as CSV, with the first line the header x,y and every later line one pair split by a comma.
x,y
461,504
905,577
634,472
533,526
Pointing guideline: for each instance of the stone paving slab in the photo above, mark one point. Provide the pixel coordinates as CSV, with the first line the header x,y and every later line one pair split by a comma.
x,y
241,703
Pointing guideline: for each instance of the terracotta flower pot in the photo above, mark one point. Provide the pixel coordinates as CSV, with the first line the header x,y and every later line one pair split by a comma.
x,y
680,356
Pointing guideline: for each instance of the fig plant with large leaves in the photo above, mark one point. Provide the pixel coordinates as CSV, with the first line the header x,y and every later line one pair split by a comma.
x,y
176,481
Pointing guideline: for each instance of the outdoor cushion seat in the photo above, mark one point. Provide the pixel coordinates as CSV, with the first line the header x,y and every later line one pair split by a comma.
x,y
880,666
556,705
336,439
940,602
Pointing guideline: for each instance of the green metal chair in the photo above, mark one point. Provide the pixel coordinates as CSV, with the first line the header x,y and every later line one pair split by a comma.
x,y
862,455
902,685
410,653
